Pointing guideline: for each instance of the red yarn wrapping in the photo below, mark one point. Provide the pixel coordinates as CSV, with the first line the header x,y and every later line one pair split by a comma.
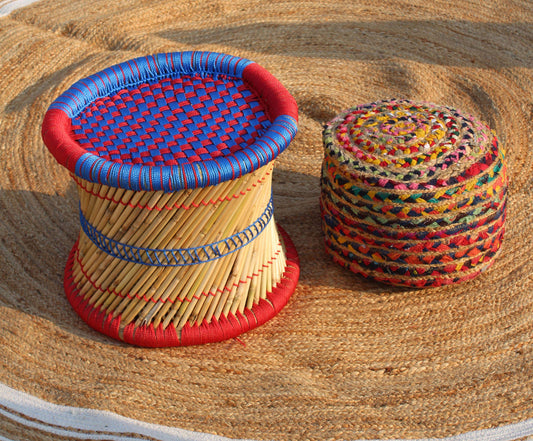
x,y
57,135
273,94
224,328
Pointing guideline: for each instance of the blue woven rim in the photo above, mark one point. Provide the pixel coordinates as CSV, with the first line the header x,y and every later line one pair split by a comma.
x,y
92,167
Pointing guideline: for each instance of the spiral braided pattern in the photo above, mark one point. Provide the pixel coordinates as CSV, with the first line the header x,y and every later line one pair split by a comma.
x,y
412,194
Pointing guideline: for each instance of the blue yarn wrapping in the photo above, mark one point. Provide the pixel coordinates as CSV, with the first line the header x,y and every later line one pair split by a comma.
x,y
178,256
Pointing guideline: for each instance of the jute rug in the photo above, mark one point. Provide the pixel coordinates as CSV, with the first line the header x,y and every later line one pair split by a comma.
x,y
347,358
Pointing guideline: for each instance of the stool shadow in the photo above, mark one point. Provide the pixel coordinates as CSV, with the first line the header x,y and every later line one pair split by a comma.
x,y
485,45
37,232
32,93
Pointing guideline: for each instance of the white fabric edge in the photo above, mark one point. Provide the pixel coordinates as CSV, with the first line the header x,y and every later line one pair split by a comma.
x,y
8,6
82,423
79,422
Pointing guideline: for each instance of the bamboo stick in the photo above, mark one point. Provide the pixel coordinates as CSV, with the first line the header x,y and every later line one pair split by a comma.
x,y
208,308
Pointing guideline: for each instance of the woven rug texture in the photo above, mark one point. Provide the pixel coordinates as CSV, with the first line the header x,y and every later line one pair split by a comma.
x,y
347,358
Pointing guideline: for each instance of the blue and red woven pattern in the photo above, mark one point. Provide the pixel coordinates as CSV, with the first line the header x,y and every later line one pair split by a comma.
x,y
171,121
412,194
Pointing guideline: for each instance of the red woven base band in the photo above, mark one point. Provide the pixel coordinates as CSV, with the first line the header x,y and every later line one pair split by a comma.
x,y
224,328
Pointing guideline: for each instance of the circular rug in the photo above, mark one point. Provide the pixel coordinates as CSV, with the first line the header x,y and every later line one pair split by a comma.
x,y
347,358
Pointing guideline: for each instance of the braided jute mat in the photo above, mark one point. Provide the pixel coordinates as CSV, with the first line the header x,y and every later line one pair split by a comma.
x,y
347,358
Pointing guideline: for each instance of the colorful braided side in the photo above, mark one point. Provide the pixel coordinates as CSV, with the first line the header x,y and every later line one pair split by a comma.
x,y
412,194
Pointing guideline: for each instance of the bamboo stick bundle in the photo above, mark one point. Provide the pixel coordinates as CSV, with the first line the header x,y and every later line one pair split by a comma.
x,y
178,226
181,294
173,157
135,218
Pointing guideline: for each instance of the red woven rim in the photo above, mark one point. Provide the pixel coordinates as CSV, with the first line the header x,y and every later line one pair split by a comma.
x,y
224,328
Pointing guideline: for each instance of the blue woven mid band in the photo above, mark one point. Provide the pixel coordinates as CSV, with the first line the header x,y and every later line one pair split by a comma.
x,y
178,256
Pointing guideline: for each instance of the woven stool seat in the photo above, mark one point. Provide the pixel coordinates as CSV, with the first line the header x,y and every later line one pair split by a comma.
x,y
172,156
412,194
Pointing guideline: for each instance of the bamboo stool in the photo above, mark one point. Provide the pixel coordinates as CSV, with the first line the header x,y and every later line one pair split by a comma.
x,y
172,156
412,194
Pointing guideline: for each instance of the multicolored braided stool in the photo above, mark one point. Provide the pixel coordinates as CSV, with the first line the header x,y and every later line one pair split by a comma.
x,y
172,155
412,194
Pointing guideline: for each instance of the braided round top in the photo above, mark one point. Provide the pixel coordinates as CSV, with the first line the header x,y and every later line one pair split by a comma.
x,y
171,121
406,146
412,194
